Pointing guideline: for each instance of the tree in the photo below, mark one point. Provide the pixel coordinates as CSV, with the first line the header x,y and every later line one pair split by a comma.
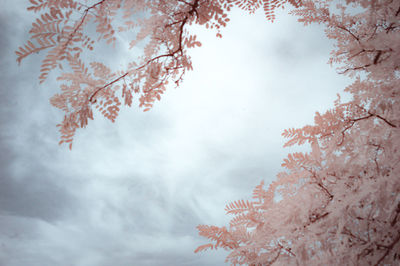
x,y
339,203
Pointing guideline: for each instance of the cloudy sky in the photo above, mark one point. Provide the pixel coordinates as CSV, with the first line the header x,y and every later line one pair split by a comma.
x,y
132,192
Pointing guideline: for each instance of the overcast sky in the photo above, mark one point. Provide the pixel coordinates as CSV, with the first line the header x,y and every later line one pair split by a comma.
x,y
132,192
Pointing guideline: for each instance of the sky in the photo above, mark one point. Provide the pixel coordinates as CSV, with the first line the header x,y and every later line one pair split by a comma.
x,y
132,192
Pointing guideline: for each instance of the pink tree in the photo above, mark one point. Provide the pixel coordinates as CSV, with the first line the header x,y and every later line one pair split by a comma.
x,y
340,203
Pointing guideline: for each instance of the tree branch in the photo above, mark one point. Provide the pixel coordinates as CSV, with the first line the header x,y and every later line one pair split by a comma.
x,y
389,248
85,12
170,54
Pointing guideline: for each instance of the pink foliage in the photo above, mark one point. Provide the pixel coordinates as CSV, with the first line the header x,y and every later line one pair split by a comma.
x,y
339,203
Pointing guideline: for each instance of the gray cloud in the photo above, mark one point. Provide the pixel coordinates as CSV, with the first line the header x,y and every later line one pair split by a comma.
x,y
34,197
